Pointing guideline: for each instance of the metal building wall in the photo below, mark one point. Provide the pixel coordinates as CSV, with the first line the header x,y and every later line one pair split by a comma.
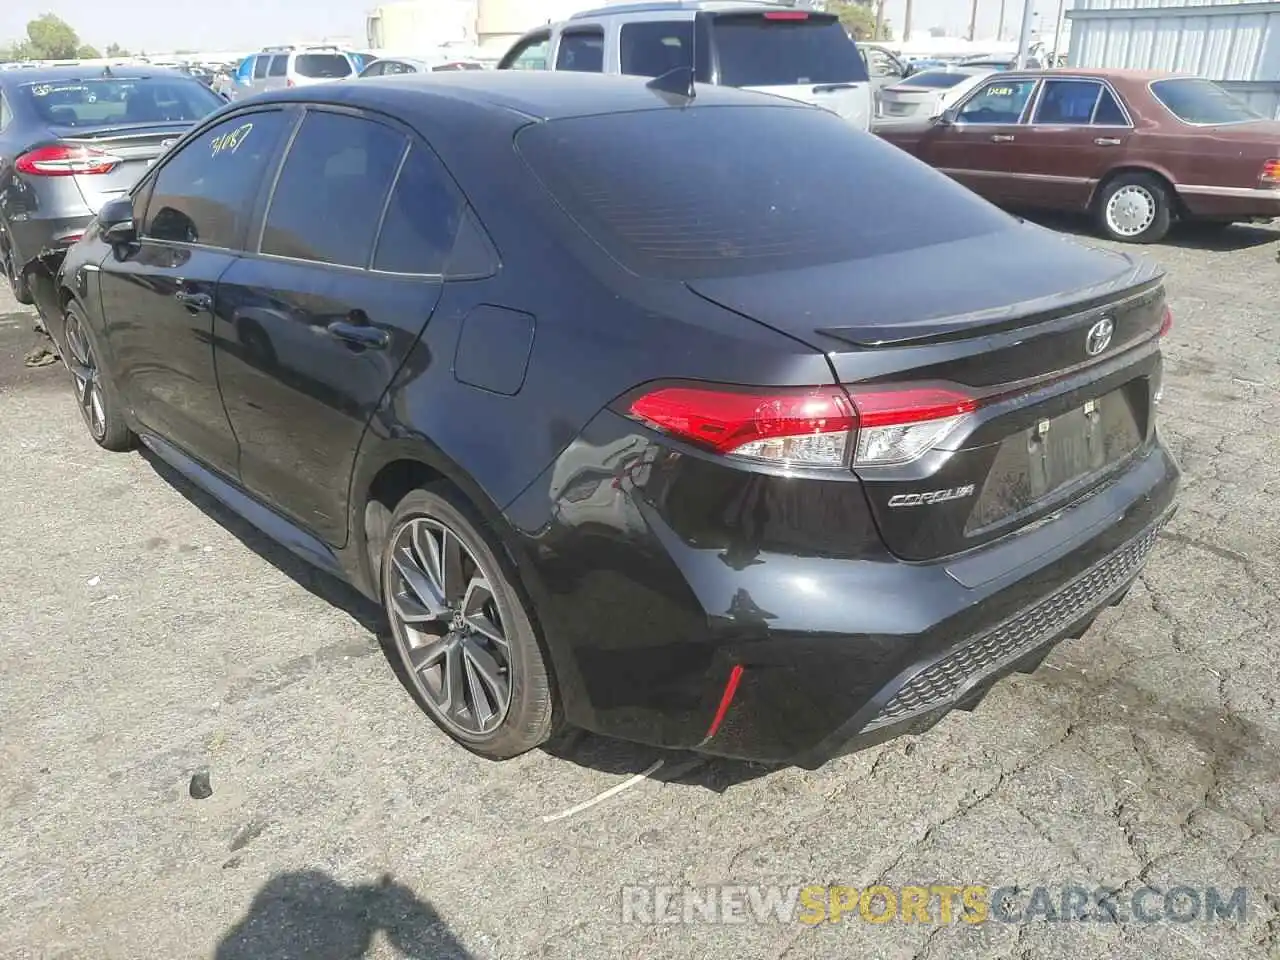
x,y
1236,43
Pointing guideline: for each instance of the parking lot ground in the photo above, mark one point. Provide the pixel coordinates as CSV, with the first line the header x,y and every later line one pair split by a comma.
x,y
146,636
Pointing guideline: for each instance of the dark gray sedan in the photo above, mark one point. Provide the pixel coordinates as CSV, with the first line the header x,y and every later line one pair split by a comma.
x,y
72,138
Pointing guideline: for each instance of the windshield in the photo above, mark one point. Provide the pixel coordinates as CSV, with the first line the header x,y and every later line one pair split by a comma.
x,y
1201,101
784,49
322,66
109,101
740,190
935,79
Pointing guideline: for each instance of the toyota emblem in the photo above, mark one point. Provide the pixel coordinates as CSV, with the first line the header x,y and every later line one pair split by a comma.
x,y
1099,336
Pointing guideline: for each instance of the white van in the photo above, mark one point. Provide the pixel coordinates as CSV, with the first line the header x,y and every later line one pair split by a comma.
x,y
791,52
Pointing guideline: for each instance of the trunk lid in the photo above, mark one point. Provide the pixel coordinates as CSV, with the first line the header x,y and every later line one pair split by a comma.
x,y
1009,319
136,146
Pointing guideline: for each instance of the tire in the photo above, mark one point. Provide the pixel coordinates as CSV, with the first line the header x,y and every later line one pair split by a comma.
x,y
432,643
1135,208
96,395
21,289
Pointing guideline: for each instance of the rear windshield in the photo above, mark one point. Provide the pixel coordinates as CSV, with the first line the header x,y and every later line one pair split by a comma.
x,y
935,79
757,50
720,191
322,66
1201,101
98,102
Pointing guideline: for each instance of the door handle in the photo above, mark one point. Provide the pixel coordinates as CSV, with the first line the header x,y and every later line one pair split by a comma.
x,y
360,334
194,301
1107,141
1002,138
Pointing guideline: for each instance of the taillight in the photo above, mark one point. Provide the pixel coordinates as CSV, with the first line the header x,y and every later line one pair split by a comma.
x,y
807,427
289,82
1166,321
786,15
1270,175
64,161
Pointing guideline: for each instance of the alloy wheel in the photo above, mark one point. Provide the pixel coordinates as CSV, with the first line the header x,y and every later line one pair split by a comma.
x,y
1131,210
88,379
448,628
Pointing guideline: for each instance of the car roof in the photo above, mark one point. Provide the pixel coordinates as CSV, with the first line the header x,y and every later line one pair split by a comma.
x,y
528,94
1098,73
91,72
660,6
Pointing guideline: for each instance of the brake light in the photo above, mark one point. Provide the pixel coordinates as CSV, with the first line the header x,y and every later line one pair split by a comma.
x,y
65,161
1166,321
1270,174
786,15
807,427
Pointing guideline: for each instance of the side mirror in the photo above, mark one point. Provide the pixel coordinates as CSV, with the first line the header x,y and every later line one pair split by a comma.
x,y
115,219
947,117
908,69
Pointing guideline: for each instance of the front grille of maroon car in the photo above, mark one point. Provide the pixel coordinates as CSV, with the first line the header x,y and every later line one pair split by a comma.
x,y
946,680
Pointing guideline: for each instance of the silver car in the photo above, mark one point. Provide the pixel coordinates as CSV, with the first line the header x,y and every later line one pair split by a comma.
x,y
298,66
72,138
928,93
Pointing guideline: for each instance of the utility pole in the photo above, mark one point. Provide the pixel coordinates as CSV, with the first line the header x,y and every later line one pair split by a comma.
x,y
879,34
973,19
906,24
1057,34
1000,25
1024,35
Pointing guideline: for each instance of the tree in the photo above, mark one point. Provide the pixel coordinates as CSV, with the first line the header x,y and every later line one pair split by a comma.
x,y
859,19
49,37
87,52
115,50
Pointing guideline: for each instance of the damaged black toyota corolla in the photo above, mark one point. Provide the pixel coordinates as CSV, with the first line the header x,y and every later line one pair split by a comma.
x,y
705,421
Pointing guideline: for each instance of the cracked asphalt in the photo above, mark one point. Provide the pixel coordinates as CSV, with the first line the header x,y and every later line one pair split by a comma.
x,y
147,635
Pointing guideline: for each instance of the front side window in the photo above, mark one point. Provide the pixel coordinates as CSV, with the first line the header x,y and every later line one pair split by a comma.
x,y
1067,102
935,79
332,189
581,51
375,69
880,64
205,193
999,101
1197,101
652,48
530,55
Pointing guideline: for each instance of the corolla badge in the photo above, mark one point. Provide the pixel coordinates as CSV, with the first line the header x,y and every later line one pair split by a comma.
x,y
1099,336
932,496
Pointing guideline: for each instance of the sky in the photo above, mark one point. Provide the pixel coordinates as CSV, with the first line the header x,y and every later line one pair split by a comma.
x,y
162,27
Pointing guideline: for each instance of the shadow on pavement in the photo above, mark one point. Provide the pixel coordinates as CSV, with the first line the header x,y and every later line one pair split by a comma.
x,y
310,916
1220,238
328,588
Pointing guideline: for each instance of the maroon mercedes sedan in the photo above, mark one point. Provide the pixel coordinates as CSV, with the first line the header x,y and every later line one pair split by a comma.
x,y
1136,150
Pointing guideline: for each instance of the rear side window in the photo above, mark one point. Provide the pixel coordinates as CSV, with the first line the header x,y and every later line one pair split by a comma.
x,y
205,193
581,51
1198,101
332,189
279,65
697,192
1109,112
5,116
260,67
1067,102
322,66
657,47
785,48
422,217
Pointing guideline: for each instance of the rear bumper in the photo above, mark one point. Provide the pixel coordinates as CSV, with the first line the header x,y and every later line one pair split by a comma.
x,y
650,604
33,237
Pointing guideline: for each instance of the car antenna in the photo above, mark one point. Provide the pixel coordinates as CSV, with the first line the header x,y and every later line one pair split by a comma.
x,y
106,71
678,82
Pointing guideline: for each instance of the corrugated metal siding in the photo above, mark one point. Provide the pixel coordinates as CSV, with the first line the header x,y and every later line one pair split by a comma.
x,y
1236,42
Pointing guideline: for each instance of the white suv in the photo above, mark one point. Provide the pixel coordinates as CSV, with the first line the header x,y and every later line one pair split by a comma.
x,y
796,53
297,66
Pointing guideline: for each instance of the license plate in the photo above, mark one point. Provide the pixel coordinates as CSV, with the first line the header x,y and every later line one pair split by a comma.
x,y
897,109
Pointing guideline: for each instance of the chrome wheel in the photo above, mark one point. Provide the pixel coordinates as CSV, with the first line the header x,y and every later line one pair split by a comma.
x,y
88,379
448,628
1131,210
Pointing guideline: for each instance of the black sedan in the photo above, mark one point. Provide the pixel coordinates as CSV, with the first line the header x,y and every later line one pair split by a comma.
x,y
615,394
72,138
